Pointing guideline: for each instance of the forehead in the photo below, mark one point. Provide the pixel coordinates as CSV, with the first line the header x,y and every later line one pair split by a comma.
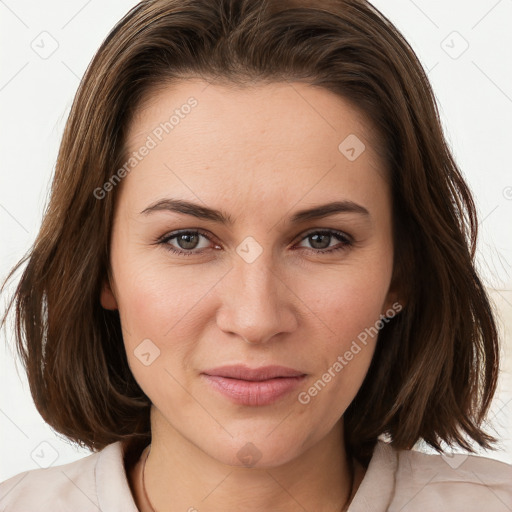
x,y
286,136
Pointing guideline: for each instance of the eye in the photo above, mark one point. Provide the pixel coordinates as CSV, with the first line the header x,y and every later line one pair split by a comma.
x,y
321,240
186,241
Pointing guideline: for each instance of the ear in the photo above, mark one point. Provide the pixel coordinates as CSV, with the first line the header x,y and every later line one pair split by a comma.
x,y
107,298
395,299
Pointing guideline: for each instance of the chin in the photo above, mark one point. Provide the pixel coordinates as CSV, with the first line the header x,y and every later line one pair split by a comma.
x,y
255,451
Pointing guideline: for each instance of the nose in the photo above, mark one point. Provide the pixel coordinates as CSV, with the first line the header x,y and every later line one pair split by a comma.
x,y
257,303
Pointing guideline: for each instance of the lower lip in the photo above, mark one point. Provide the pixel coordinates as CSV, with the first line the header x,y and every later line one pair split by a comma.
x,y
246,392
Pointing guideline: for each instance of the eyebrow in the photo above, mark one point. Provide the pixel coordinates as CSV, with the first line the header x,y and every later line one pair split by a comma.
x,y
205,213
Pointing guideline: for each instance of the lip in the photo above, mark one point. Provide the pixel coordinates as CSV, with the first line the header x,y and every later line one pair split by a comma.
x,y
243,372
253,386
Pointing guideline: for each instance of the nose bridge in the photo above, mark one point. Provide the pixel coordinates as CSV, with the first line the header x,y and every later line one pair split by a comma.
x,y
257,279
254,267
255,305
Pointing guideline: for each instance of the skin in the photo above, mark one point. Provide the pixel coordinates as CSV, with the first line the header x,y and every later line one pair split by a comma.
x,y
259,154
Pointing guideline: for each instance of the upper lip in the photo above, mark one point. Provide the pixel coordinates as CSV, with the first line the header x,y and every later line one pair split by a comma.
x,y
243,372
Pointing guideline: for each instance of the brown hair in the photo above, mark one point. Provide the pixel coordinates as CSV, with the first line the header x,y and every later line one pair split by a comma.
x,y
435,367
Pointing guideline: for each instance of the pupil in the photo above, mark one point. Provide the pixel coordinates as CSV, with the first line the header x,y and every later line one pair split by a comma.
x,y
185,241
315,239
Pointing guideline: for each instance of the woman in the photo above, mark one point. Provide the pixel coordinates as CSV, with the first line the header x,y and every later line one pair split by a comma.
x,y
254,284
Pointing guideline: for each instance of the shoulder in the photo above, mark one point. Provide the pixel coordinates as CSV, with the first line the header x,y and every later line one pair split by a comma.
x,y
442,482
53,487
95,482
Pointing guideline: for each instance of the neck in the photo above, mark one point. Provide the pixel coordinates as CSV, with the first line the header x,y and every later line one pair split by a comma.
x,y
180,476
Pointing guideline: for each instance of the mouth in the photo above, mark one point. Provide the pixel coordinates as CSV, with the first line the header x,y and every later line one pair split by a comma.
x,y
242,372
253,386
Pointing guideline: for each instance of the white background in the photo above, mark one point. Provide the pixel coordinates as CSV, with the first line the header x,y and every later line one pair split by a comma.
x,y
474,91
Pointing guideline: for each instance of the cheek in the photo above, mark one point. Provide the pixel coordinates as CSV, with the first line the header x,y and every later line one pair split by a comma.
x,y
163,311
346,300
351,316
341,357
159,321
347,306
156,299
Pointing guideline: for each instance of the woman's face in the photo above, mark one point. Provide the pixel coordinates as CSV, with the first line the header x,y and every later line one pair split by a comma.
x,y
250,290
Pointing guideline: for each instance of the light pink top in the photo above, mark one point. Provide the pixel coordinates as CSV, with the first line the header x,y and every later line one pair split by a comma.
x,y
405,481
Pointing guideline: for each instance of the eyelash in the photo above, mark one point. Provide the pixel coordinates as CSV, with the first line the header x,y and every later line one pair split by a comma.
x,y
347,241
